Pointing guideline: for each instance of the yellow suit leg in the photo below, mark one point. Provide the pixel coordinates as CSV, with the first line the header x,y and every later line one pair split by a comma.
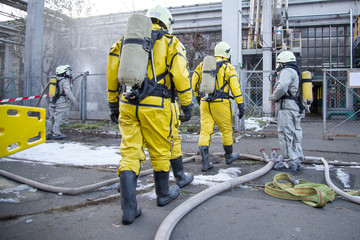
x,y
221,112
132,141
156,128
206,124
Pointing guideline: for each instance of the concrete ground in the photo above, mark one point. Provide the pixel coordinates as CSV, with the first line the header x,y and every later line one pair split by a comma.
x,y
243,212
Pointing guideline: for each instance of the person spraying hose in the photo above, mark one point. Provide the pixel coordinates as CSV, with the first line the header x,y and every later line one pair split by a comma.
x,y
60,95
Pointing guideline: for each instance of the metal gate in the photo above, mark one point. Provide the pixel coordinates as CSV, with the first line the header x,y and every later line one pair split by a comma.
x,y
341,111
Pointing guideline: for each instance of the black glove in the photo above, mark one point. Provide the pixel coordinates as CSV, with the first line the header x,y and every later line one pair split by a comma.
x,y
114,112
241,110
187,113
198,98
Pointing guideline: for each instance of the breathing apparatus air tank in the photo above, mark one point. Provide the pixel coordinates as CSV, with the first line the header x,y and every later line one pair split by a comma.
x,y
52,87
135,51
209,73
306,85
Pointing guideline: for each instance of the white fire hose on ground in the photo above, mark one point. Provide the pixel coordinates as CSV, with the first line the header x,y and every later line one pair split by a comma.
x,y
169,223
353,199
71,191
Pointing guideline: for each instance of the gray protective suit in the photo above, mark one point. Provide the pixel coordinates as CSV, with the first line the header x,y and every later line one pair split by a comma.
x,y
57,109
289,129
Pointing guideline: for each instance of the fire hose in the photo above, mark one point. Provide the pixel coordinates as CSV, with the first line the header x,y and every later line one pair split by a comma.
x,y
353,199
169,223
83,189
71,191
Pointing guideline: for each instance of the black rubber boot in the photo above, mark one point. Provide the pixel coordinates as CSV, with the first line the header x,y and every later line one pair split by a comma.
x,y
178,170
206,165
128,181
163,192
229,156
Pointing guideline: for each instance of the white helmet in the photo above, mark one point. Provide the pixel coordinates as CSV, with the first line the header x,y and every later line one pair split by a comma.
x,y
222,49
63,70
60,70
285,56
163,15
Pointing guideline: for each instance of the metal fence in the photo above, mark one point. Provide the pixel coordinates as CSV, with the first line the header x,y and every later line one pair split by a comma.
x,y
89,90
11,87
252,93
258,122
341,111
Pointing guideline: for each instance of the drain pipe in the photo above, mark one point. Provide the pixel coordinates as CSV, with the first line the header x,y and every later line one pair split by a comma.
x,y
169,223
72,191
353,199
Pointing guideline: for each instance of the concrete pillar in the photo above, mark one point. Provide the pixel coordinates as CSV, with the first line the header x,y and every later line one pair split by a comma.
x,y
33,48
231,28
231,33
267,55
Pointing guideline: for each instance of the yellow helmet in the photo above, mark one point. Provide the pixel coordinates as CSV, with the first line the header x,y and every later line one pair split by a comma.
x,y
162,14
285,56
222,49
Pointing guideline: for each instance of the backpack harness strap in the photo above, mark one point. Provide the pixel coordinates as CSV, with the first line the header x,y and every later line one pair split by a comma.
x,y
298,97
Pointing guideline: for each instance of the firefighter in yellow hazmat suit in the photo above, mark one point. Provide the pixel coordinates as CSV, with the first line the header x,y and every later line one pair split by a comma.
x,y
149,122
218,108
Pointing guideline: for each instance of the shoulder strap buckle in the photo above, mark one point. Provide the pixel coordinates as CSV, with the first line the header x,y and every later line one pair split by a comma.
x,y
147,44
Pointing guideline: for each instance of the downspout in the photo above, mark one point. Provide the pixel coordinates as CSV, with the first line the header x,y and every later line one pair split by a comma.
x,y
277,22
257,22
251,23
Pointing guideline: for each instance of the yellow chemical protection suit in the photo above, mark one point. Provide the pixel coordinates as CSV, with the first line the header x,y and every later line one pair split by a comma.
x,y
218,110
150,123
